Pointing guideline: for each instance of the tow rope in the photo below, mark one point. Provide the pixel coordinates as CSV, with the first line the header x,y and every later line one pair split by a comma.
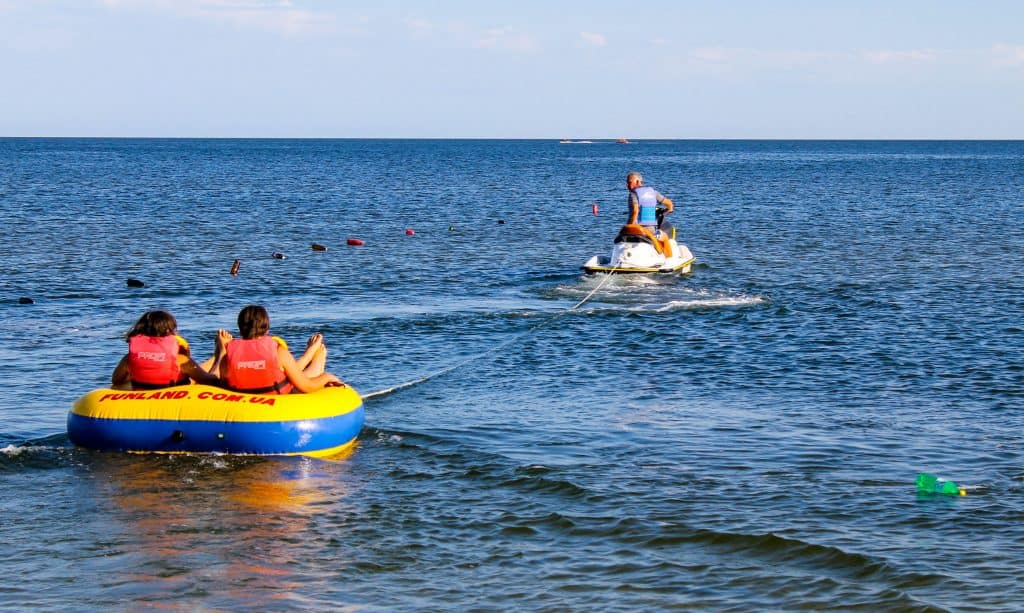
x,y
490,352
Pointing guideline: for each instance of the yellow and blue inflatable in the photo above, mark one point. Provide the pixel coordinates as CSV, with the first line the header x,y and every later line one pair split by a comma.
x,y
203,419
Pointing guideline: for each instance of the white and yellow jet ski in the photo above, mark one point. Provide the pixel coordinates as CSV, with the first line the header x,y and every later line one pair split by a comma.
x,y
639,250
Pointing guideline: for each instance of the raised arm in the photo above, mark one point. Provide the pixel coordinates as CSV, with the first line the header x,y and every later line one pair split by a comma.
x,y
197,374
667,203
220,344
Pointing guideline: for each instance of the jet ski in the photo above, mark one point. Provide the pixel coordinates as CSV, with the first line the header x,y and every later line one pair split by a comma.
x,y
639,250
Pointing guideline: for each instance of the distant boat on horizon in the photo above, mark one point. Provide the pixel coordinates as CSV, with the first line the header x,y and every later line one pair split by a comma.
x,y
622,141
566,141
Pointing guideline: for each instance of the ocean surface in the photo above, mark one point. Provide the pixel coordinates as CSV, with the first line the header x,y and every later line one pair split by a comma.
x,y
742,438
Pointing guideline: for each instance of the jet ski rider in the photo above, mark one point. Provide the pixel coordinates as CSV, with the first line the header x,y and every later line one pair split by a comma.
x,y
643,211
644,202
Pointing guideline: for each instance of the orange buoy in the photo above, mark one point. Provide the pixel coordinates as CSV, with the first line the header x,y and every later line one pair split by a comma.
x,y
234,267
594,208
319,247
355,242
409,232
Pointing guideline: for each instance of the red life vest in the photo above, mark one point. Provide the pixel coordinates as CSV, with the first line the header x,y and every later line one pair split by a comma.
x,y
153,361
252,366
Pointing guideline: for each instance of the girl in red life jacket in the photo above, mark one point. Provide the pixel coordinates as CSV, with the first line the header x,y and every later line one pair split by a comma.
x,y
262,364
157,357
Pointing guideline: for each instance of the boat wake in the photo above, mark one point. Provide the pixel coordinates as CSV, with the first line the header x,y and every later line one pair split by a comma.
x,y
642,293
711,302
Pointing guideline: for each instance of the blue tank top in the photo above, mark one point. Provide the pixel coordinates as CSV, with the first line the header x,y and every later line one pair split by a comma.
x,y
647,198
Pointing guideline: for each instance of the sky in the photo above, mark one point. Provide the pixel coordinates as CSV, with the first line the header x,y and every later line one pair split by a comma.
x,y
642,69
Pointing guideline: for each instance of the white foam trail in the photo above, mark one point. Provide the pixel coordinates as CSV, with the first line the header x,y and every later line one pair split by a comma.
x,y
616,284
724,301
14,450
682,305
641,280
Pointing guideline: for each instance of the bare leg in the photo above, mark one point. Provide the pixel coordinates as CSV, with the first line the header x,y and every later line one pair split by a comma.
x,y
315,343
654,239
318,362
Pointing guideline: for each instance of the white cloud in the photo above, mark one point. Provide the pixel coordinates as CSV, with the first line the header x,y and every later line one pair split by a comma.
x,y
594,39
505,39
715,55
741,57
1008,55
460,34
889,56
280,16
421,28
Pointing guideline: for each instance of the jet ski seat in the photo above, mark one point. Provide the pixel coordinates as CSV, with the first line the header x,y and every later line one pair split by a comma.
x,y
635,233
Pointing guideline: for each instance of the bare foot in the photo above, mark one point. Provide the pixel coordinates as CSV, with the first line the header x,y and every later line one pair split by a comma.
x,y
223,338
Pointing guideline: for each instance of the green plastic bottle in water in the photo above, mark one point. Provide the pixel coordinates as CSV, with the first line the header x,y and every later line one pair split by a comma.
x,y
930,484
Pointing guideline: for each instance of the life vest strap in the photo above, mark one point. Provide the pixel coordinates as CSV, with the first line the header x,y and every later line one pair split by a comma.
x,y
141,385
281,387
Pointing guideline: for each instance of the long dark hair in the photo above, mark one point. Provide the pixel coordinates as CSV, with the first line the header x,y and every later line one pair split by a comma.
x,y
253,321
154,323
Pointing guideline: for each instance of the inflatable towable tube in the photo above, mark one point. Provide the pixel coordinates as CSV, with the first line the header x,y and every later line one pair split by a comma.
x,y
204,419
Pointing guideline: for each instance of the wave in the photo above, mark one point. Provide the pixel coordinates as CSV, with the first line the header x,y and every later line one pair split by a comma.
x,y
49,452
456,459
13,451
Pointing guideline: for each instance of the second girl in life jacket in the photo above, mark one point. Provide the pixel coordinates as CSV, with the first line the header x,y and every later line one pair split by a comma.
x,y
261,364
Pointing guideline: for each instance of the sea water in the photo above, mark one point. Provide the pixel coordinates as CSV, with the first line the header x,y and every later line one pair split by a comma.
x,y
744,437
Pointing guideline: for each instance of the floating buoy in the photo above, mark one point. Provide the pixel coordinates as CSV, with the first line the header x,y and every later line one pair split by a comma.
x,y
277,255
135,283
409,232
594,208
26,300
451,228
319,247
234,267
501,221
355,242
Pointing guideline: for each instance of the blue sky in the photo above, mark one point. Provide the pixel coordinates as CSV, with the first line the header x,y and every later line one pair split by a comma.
x,y
461,69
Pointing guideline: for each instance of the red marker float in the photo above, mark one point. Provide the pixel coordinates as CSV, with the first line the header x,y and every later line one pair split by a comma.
x,y
594,208
234,268
409,232
355,242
